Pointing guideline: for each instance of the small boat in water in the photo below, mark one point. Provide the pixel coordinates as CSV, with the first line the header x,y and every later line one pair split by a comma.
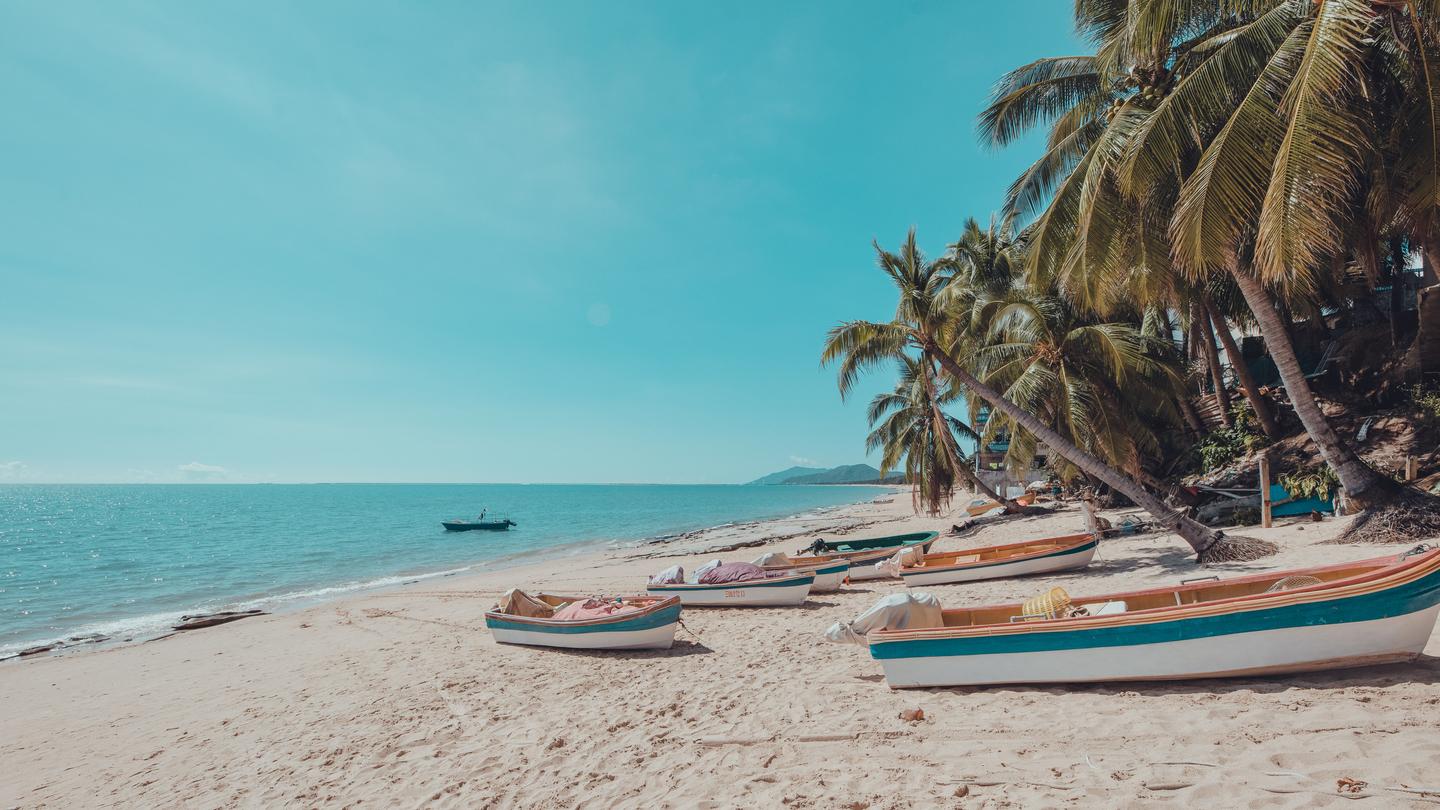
x,y
478,524
997,562
627,623
775,591
865,554
1356,614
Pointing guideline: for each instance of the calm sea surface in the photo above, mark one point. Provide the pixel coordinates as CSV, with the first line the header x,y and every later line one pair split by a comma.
x,y
125,561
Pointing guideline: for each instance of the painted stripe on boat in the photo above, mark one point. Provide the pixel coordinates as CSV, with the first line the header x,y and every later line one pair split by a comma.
x,y
668,615
1385,602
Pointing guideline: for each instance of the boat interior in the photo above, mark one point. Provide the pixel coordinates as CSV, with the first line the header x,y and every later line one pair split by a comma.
x,y
975,555
1056,604
516,602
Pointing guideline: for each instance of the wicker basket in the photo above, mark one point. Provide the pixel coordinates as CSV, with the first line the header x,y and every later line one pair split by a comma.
x,y
1049,605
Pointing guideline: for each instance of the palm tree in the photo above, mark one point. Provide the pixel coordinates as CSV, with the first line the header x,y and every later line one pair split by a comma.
x,y
924,319
1106,387
911,430
1260,132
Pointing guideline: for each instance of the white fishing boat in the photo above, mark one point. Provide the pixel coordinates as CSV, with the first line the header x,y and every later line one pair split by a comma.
x,y
1358,614
777,591
997,562
642,623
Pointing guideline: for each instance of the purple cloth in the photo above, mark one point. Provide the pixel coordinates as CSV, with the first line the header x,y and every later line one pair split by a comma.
x,y
736,572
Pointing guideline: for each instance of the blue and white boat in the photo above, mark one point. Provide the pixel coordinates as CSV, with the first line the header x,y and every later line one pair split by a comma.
x,y
524,619
1373,612
777,591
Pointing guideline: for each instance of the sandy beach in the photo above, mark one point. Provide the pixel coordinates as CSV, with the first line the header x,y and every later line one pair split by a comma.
x,y
401,698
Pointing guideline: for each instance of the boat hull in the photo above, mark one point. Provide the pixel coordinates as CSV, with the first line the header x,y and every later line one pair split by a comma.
x,y
1065,559
778,592
1270,652
828,576
649,631
498,526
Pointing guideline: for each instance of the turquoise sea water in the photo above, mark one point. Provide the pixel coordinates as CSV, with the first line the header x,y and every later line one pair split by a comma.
x,y
125,561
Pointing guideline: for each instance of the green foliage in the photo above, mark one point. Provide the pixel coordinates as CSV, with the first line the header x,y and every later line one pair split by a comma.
x,y
1318,481
1427,399
1227,444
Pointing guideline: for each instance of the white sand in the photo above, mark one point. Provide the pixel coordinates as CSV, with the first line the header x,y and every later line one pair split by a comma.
x,y
402,698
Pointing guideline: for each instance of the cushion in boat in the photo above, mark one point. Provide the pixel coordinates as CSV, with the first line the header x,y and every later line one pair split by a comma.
x,y
592,609
674,575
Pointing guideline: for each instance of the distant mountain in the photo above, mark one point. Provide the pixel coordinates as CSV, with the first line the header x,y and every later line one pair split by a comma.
x,y
785,475
844,474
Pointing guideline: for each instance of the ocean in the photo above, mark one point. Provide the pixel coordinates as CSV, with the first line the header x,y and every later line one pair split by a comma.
x,y
126,561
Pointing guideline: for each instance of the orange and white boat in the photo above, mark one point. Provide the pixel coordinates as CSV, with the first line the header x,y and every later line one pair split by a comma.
x,y
1372,612
997,562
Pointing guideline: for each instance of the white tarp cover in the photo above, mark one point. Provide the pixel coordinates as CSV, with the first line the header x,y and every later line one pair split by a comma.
x,y
898,611
674,575
694,578
771,558
910,555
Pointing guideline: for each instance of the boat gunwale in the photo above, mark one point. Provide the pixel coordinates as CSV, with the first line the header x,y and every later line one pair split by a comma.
x,y
661,603
1077,542
923,537
801,578
840,565
1385,573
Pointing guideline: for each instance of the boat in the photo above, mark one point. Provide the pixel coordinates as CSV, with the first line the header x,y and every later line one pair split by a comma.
x,y
479,524
865,554
781,591
980,506
829,571
1357,614
651,627
997,562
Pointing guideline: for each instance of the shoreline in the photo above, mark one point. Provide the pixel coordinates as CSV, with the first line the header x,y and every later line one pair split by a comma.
x,y
122,630
402,697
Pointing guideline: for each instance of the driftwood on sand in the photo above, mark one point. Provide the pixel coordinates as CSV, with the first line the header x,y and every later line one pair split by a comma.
x,y
212,619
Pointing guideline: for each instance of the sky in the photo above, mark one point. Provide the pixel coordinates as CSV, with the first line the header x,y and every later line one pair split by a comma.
x,y
471,241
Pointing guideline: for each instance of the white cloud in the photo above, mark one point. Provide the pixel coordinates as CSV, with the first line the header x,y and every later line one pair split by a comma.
x,y
801,461
202,472
13,470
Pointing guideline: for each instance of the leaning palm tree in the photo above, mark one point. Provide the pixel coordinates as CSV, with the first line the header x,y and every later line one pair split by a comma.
x,y
924,320
1105,386
911,430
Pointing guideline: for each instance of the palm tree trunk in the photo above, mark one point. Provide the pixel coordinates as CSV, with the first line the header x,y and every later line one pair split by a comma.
x,y
1209,544
1212,359
1363,486
1247,380
956,462
1187,409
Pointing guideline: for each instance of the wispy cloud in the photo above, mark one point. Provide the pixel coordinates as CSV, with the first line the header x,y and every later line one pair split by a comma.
x,y
195,471
801,461
14,471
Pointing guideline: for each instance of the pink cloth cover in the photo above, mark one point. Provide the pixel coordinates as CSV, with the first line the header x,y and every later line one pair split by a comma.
x,y
736,572
592,609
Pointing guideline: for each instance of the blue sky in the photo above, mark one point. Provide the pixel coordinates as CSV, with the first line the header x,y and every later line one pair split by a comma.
x,y
337,241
